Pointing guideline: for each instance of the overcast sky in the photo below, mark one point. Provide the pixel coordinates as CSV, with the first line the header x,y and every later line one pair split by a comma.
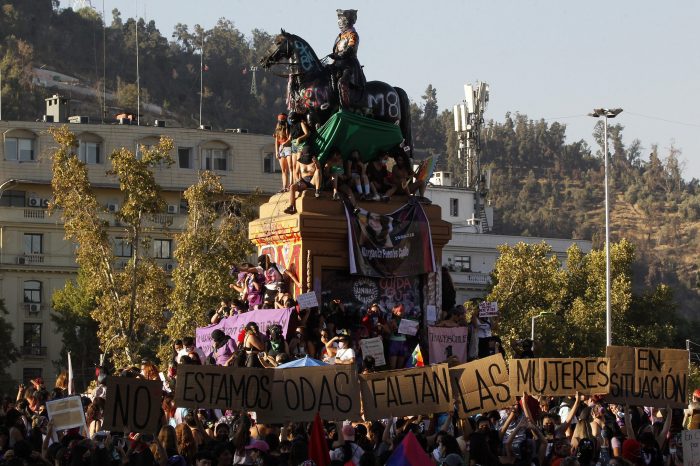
x,y
548,59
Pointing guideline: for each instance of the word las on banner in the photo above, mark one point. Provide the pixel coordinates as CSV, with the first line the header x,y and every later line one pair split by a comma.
x,y
133,405
395,245
233,325
66,413
406,392
560,376
481,386
648,376
217,387
488,309
299,393
373,347
446,342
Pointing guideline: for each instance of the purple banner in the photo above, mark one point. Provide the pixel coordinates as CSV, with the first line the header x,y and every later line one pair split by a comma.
x,y
398,244
232,326
445,342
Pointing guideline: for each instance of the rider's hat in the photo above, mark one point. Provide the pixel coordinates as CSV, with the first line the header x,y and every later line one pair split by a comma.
x,y
350,15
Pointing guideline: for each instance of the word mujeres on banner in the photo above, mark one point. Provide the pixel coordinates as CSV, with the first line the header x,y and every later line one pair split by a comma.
x,y
560,376
481,386
648,376
232,325
406,392
395,245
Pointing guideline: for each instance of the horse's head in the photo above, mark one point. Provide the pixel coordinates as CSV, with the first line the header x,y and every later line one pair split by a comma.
x,y
282,50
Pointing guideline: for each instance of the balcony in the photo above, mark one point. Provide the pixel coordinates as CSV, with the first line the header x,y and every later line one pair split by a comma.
x,y
33,351
471,279
30,259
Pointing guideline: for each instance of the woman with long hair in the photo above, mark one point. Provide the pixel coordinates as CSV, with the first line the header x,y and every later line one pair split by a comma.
x,y
283,149
186,446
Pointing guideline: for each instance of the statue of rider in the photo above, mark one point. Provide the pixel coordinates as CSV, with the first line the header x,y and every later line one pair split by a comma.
x,y
348,71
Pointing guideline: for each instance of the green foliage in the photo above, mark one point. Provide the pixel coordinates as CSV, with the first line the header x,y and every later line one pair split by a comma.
x,y
9,351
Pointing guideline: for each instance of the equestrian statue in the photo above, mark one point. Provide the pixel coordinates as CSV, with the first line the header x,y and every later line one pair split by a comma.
x,y
319,90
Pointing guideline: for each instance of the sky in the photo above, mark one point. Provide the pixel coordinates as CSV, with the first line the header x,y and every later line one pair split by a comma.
x,y
549,59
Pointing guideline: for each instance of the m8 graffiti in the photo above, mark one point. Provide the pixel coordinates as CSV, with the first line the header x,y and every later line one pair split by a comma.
x,y
385,105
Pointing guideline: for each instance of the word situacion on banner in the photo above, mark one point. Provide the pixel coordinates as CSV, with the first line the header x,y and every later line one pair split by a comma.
x,y
218,387
406,392
445,342
299,393
133,405
488,309
398,244
481,386
648,376
560,376
232,325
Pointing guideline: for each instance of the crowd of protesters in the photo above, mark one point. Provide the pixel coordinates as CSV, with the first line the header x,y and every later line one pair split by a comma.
x,y
545,431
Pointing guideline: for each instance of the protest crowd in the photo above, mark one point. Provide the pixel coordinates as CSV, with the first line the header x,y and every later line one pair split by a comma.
x,y
521,428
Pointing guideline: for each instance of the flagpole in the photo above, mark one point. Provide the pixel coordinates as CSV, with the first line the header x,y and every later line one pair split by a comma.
x,y
201,78
138,77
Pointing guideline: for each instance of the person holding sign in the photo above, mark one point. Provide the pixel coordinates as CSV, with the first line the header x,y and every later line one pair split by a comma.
x,y
224,349
397,341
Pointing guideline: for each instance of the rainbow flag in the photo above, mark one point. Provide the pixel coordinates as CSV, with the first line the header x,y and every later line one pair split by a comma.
x,y
417,357
426,168
409,453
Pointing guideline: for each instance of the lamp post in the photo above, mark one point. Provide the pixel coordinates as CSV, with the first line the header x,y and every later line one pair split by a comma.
x,y
607,113
6,185
541,314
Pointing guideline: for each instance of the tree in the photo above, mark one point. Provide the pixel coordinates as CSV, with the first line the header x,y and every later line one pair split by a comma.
x,y
428,131
9,351
215,238
130,302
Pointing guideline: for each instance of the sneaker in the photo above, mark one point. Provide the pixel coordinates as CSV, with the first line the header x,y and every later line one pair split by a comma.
x,y
317,194
376,197
336,196
290,210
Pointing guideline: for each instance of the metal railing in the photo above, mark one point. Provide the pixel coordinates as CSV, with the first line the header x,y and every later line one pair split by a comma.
x,y
33,350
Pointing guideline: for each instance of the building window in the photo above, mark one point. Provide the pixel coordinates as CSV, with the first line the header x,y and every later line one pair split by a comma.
x,y
454,207
12,198
214,159
32,336
33,243
89,152
30,373
184,156
122,247
32,292
20,149
270,164
162,248
463,263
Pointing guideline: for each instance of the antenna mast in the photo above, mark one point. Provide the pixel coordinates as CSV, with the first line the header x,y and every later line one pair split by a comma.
x,y
254,85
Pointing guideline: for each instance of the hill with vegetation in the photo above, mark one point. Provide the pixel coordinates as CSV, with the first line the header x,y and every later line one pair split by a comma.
x,y
541,184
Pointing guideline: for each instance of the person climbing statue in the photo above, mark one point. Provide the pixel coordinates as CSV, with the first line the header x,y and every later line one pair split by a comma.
x,y
348,71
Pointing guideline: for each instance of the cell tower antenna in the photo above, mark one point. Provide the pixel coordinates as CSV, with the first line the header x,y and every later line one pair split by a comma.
x,y
80,4
254,84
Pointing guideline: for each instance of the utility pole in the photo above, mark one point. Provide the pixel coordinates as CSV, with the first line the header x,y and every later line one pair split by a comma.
x,y
254,85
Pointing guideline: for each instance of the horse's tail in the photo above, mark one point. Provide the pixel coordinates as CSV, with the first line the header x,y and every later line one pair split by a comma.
x,y
405,122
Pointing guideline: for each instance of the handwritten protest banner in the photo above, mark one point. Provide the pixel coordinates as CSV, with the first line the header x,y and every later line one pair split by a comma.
x,y
648,376
559,376
406,392
444,342
232,325
307,300
691,448
481,386
373,347
223,388
298,393
133,405
488,309
66,413
408,327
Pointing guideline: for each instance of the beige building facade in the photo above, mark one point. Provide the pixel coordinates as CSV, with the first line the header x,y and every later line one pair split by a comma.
x,y
36,260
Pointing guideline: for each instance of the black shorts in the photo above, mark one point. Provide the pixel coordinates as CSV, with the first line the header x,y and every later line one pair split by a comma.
x,y
305,183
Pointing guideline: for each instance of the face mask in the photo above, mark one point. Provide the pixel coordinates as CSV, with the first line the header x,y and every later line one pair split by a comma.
x,y
672,451
299,335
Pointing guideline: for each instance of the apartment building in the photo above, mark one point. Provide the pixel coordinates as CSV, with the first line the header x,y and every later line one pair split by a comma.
x,y
36,260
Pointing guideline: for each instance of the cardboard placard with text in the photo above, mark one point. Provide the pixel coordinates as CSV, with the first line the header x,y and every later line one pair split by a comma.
x,y
691,448
307,300
406,392
218,387
488,309
559,376
445,342
373,347
133,405
481,386
648,376
66,413
298,393
408,327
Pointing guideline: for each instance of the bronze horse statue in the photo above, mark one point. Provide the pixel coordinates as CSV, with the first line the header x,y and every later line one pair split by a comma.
x,y
312,88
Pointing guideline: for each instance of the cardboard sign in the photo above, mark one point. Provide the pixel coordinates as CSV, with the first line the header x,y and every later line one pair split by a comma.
x,y
691,448
488,309
648,376
406,392
307,300
133,405
373,347
223,388
408,327
560,376
481,386
299,393
66,413
445,342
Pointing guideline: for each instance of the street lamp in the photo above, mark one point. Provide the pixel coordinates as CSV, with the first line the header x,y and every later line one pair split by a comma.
x,y
541,314
607,113
6,185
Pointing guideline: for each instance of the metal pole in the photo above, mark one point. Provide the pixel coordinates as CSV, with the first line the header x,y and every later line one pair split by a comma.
x,y
0,93
532,329
138,77
608,310
201,79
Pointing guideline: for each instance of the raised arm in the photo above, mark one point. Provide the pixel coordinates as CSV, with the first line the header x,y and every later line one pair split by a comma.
x,y
628,423
504,428
569,417
661,438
